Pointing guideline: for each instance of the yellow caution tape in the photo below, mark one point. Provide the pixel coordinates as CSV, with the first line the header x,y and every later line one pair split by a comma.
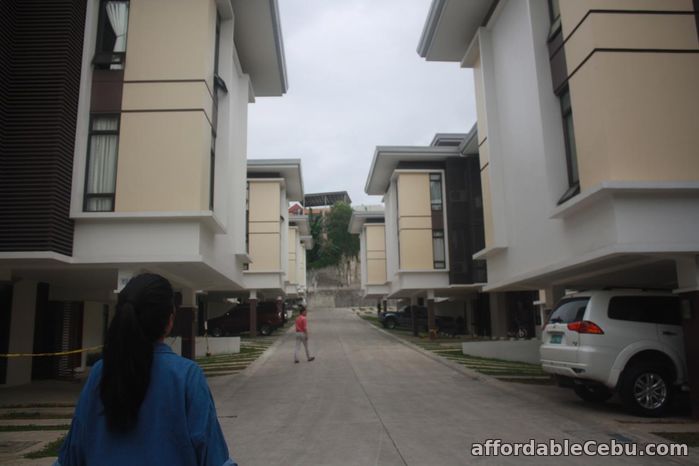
x,y
60,353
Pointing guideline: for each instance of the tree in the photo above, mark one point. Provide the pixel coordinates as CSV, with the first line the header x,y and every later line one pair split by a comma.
x,y
337,243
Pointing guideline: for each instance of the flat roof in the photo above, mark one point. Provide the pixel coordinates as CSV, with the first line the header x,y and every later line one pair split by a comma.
x,y
288,169
360,217
450,26
260,47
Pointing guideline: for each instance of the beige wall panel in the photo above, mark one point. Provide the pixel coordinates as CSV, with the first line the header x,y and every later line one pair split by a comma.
x,y
291,276
264,227
487,207
416,250
265,251
634,31
484,154
573,11
407,223
482,124
167,96
163,162
171,39
375,238
414,194
376,272
375,255
264,201
640,135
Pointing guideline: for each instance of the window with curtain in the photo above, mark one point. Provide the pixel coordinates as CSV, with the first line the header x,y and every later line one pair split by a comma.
x,y
436,191
100,179
112,27
438,250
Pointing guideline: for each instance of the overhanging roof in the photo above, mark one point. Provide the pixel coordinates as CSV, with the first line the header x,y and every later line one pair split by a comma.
x,y
289,169
387,158
360,217
258,40
450,27
301,221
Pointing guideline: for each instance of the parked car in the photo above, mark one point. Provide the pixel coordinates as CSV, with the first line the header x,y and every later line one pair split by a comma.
x,y
237,320
625,341
403,318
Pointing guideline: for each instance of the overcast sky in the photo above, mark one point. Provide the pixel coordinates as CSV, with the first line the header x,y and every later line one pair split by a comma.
x,y
356,82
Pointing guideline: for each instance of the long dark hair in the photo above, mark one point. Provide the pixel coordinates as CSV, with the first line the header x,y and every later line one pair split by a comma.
x,y
142,313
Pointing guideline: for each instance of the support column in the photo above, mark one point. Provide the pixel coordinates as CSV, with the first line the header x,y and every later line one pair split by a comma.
x,y
385,305
431,319
688,281
413,315
21,339
186,322
253,313
280,309
498,315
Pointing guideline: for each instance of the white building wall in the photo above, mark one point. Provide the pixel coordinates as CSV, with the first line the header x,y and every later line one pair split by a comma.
x,y
527,155
391,224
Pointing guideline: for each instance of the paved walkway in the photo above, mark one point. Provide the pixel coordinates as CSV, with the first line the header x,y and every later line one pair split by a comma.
x,y
370,400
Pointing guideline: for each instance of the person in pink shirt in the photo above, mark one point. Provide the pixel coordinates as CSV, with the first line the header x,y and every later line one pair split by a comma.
x,y
302,335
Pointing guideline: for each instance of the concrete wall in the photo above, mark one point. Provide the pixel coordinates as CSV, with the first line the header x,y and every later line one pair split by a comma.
x,y
93,327
218,345
521,350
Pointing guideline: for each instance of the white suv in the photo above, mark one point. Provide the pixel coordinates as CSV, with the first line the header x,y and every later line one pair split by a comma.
x,y
602,341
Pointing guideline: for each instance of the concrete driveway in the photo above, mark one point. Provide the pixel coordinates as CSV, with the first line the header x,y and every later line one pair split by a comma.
x,y
370,400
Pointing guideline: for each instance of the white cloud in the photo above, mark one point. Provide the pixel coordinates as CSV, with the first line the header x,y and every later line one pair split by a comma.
x,y
355,82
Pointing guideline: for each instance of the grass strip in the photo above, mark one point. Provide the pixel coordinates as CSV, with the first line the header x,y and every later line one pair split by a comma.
x,y
38,405
50,450
33,427
691,439
34,415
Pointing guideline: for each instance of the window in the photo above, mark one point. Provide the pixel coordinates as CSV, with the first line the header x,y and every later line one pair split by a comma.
x,y
664,310
436,191
212,170
570,148
555,17
569,310
438,249
112,25
100,182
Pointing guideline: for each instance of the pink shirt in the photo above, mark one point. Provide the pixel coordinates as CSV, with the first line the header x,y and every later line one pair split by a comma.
x,y
301,324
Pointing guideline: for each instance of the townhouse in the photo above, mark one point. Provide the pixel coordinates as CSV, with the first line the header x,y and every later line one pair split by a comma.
x,y
123,150
432,225
587,138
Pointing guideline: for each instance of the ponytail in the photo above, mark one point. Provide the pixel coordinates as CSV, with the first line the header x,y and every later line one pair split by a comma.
x,y
142,314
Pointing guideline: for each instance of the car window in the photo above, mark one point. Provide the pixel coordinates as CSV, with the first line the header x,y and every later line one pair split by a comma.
x,y
650,309
569,310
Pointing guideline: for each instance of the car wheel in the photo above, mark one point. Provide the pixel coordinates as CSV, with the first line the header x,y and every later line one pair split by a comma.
x,y
266,330
390,324
216,332
646,390
593,393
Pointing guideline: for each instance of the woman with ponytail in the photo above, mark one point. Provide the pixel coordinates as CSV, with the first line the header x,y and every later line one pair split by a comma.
x,y
143,404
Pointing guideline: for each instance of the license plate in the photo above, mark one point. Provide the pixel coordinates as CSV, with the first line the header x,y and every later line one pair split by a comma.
x,y
556,338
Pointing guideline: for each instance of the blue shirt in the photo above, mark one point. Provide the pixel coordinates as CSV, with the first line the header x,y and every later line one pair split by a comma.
x,y
177,423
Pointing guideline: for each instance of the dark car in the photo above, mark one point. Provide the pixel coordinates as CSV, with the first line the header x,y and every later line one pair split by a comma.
x,y
237,320
403,318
